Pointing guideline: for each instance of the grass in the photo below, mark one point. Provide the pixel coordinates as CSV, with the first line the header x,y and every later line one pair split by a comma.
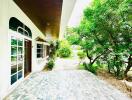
x,y
81,67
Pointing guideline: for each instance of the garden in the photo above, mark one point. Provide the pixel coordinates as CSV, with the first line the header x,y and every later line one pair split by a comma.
x,y
104,38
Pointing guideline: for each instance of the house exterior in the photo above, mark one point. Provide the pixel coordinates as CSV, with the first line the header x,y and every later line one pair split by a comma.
x,y
25,28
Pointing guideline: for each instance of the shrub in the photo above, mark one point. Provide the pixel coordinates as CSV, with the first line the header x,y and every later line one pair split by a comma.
x,y
64,49
81,67
50,64
92,68
54,45
79,48
81,54
64,43
64,52
73,39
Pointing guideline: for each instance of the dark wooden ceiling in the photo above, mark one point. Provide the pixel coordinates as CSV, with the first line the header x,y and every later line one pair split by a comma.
x,y
43,13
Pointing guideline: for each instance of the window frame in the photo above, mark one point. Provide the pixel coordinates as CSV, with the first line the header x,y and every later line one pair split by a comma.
x,y
17,54
44,50
16,25
42,56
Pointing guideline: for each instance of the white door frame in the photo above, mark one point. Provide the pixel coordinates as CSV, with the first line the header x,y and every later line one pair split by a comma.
x,y
19,36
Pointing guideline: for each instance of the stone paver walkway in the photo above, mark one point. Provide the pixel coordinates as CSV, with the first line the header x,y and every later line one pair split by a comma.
x,y
66,64
65,85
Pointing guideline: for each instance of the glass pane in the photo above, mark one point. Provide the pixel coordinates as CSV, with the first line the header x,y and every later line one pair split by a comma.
x,y
13,41
13,78
26,33
20,43
13,69
39,50
38,55
20,31
13,50
20,58
13,60
39,45
19,74
20,66
20,50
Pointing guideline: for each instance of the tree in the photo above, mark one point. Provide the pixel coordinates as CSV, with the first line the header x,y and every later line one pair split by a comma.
x,y
73,38
106,31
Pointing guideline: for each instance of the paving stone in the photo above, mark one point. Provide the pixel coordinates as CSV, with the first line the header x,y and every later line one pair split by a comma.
x,y
65,85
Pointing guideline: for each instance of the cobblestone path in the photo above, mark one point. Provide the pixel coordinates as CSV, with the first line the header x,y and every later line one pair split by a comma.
x,y
66,64
65,85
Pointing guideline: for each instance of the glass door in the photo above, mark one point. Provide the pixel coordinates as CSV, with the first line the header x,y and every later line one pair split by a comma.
x,y
17,61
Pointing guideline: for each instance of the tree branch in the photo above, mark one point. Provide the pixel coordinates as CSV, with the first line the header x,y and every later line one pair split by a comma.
x,y
90,58
98,57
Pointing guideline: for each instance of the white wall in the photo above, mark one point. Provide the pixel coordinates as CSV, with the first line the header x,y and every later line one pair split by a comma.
x,y
9,9
67,9
4,58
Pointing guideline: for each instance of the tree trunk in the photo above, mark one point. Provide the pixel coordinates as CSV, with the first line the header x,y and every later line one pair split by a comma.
x,y
128,66
90,59
118,72
109,67
117,66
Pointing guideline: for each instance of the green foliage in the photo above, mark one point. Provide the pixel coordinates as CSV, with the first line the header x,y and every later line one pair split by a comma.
x,y
81,67
64,52
50,64
106,33
73,39
64,43
54,46
64,49
81,54
79,47
92,68
13,42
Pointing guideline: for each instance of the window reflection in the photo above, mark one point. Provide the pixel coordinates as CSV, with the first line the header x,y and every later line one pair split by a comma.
x,y
19,74
20,43
13,69
20,50
20,58
13,50
13,60
13,78
20,66
16,59
13,41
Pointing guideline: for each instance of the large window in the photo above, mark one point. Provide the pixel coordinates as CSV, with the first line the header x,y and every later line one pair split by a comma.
x,y
16,59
